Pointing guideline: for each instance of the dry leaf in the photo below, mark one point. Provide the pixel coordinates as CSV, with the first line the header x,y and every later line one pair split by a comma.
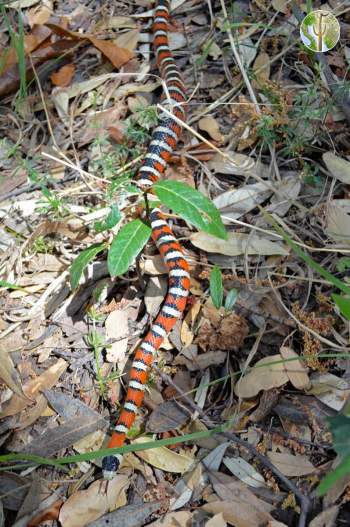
x,y
32,388
330,389
164,458
63,76
296,370
243,516
128,40
326,518
154,295
237,244
8,373
239,165
281,5
211,126
85,506
338,167
237,202
261,68
216,521
117,331
264,376
174,519
231,490
338,220
244,471
187,334
290,465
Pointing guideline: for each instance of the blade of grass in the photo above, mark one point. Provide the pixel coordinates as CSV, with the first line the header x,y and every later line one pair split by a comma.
x,y
88,456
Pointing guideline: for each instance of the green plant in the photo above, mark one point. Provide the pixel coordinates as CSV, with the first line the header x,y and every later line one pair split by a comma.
x,y
217,291
96,341
50,203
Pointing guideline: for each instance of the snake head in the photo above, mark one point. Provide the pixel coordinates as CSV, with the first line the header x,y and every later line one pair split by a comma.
x,y
110,465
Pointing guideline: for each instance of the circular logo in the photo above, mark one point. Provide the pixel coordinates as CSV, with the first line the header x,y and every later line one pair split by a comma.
x,y
320,31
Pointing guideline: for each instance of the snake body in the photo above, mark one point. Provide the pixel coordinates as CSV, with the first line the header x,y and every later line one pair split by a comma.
x,y
163,142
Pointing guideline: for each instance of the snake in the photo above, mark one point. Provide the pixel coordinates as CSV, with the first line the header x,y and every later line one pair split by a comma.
x,y
163,142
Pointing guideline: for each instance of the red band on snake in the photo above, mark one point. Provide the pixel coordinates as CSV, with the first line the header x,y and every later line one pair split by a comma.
x,y
163,142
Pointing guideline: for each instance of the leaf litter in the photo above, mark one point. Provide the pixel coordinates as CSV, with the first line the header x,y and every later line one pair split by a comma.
x,y
265,143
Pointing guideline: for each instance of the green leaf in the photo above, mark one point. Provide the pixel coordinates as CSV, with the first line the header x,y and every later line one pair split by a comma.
x,y
81,261
343,303
10,285
343,264
126,245
191,205
216,287
110,221
334,476
340,427
231,299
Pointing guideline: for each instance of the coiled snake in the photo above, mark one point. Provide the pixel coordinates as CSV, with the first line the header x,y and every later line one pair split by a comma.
x,y
163,142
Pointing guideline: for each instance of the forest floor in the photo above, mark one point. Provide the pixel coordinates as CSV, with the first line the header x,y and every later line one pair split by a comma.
x,y
247,401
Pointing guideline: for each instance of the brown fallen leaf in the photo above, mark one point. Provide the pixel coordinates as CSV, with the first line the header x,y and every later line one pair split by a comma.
x,y
164,458
50,513
118,56
31,42
174,519
33,387
85,506
187,333
326,518
10,80
290,465
9,375
63,76
263,376
243,516
295,369
211,126
261,68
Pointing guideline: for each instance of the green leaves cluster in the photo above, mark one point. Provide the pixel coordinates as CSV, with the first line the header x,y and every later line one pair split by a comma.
x,y
184,200
217,291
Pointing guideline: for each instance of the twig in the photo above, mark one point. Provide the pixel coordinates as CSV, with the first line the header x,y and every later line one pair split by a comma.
x,y
305,503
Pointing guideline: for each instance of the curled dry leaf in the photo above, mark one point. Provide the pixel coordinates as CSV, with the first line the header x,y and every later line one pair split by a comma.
x,y
267,373
290,465
239,165
237,244
8,373
32,388
85,506
296,370
211,126
330,389
63,76
164,458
